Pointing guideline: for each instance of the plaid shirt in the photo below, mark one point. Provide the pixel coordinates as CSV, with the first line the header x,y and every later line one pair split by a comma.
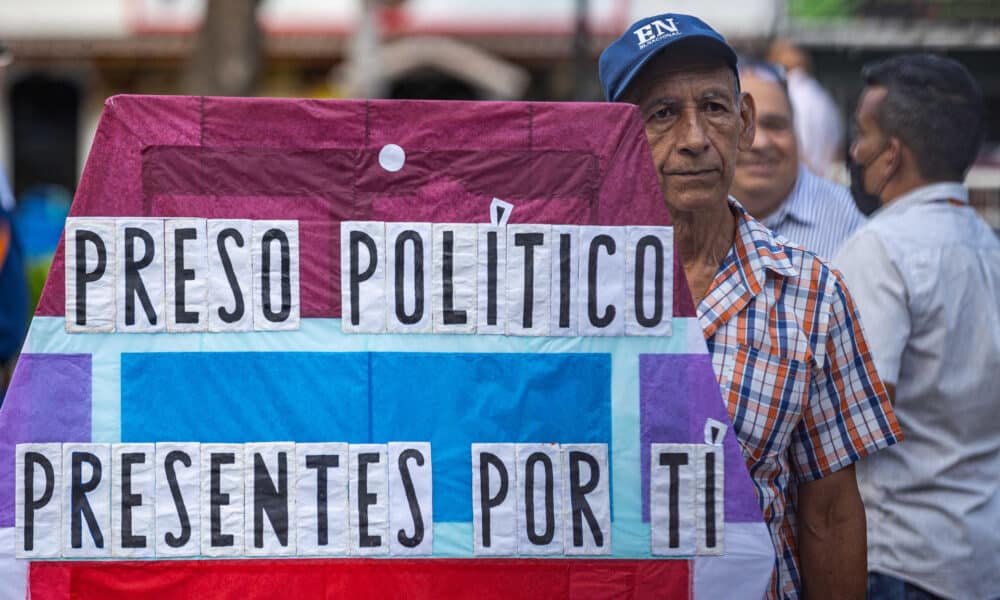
x,y
796,374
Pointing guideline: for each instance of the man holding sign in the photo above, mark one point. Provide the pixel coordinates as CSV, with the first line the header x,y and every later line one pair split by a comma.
x,y
785,338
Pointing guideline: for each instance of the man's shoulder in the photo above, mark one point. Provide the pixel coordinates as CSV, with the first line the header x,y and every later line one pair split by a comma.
x,y
826,199
797,266
814,271
804,291
910,236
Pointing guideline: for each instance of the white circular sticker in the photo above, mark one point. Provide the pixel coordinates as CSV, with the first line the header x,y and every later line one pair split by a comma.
x,y
391,157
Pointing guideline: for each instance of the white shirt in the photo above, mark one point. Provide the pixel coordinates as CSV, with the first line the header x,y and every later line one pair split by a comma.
x,y
819,214
925,274
819,125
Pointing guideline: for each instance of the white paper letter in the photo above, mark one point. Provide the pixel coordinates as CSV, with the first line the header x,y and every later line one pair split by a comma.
x,y
494,506
362,276
90,275
38,500
321,495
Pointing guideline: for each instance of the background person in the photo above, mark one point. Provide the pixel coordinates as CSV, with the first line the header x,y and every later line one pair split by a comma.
x,y
13,290
771,182
785,340
925,272
818,122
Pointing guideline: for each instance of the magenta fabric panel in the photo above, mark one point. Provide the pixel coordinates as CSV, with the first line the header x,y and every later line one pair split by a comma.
x,y
298,124
113,167
434,125
112,177
317,161
159,120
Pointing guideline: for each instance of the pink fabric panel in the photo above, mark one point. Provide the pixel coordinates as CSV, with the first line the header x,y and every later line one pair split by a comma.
x,y
283,123
317,161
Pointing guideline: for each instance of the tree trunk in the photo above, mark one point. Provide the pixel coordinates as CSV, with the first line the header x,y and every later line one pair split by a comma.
x,y
226,59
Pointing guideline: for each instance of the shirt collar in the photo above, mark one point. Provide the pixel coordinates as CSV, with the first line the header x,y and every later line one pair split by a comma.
x,y
742,274
935,192
793,206
758,245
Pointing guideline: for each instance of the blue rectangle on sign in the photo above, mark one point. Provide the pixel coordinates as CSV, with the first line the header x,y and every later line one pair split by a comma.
x,y
449,399
239,397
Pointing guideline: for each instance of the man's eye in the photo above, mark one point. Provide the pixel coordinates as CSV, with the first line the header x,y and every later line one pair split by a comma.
x,y
778,125
664,112
714,107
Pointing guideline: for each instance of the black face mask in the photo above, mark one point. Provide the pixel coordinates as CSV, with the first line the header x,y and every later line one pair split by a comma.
x,y
866,202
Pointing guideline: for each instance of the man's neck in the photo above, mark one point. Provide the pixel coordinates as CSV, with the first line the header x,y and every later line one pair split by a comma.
x,y
903,185
759,207
703,240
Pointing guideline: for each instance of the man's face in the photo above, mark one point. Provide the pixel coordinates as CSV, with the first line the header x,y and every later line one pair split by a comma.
x,y
869,146
765,174
695,122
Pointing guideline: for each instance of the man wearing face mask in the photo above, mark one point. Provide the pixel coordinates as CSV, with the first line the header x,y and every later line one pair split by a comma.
x,y
925,273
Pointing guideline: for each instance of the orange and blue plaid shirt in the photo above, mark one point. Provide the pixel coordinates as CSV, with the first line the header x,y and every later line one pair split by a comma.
x,y
796,373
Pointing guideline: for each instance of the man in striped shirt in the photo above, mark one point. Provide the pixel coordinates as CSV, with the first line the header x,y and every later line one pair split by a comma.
x,y
785,338
774,186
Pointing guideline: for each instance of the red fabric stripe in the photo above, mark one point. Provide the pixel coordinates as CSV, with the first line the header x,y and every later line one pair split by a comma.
x,y
479,579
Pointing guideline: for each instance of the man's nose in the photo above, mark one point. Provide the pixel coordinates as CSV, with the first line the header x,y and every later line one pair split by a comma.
x,y
761,138
853,151
693,138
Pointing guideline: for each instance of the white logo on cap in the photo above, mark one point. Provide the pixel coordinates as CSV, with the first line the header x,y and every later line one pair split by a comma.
x,y
655,31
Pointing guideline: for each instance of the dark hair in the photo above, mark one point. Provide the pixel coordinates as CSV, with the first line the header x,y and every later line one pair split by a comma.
x,y
764,70
935,107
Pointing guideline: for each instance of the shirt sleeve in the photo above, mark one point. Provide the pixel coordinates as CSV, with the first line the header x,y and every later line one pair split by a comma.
x,y
877,288
848,415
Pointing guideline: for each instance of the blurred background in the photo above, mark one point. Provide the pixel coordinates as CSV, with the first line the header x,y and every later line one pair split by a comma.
x,y
60,59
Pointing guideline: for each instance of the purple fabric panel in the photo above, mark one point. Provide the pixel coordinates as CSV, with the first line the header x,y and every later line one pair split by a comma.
x,y
48,401
741,500
677,393
663,417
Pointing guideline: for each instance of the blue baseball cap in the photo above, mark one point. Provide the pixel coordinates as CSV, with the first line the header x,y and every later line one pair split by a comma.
x,y
624,58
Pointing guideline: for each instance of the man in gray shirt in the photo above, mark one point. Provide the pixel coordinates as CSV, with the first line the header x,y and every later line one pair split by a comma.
x,y
925,274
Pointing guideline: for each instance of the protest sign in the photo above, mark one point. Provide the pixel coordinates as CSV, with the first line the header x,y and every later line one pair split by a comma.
x,y
430,349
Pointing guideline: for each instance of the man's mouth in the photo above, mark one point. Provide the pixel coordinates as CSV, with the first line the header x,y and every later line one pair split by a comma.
x,y
691,172
759,166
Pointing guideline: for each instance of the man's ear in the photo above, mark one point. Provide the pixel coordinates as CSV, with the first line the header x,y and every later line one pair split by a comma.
x,y
748,121
895,153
